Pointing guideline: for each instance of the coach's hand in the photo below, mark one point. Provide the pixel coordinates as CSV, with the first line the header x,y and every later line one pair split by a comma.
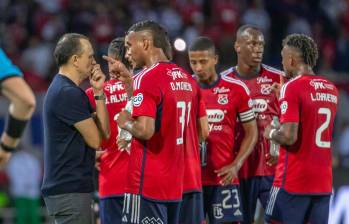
x,y
228,173
97,79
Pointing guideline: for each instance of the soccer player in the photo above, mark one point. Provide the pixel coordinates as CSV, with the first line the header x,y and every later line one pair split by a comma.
x,y
163,103
72,132
192,210
113,162
256,175
226,100
308,103
22,106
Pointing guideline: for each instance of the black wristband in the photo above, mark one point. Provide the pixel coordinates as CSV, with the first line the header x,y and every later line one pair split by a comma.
x,y
100,97
7,148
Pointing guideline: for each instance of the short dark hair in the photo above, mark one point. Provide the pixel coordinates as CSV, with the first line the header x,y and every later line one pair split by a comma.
x,y
117,49
68,45
203,44
159,35
245,27
305,45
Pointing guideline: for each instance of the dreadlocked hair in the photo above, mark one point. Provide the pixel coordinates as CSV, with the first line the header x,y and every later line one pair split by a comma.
x,y
305,45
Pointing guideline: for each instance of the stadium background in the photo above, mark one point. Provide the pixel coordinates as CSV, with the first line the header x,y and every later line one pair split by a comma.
x,y
29,30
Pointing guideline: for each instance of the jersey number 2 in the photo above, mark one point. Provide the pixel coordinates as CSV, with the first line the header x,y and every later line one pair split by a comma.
x,y
322,128
183,119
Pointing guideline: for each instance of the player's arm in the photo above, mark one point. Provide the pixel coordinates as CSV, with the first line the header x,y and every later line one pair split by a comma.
x,y
286,134
230,172
203,129
142,127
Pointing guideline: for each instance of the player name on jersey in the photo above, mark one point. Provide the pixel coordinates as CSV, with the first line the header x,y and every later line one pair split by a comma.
x,y
323,97
182,86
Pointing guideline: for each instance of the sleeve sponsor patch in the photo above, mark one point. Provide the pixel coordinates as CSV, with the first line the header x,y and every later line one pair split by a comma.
x,y
137,100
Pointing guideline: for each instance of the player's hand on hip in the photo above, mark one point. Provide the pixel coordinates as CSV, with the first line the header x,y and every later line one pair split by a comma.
x,y
4,158
124,116
97,78
227,174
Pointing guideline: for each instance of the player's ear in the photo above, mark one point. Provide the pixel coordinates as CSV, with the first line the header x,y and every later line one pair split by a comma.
x,y
146,43
216,57
237,47
74,60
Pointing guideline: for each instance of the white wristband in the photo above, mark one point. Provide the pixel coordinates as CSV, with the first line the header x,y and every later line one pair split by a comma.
x,y
129,125
271,133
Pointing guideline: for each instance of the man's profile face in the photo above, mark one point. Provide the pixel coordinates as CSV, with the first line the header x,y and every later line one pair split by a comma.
x,y
203,64
134,49
286,54
85,61
250,47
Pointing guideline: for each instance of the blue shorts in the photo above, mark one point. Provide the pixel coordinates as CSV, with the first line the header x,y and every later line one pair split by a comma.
x,y
7,69
110,210
222,204
139,210
252,189
192,208
285,208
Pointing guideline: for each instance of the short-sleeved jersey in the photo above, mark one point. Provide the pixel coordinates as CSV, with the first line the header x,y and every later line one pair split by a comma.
x,y
226,101
113,163
192,166
7,69
68,160
305,167
265,105
165,93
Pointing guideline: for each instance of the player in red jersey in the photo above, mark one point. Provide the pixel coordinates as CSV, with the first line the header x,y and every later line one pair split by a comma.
x,y
226,100
163,101
308,103
256,175
113,162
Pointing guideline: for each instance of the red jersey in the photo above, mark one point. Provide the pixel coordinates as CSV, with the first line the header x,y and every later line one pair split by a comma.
x,y
225,100
305,167
192,166
265,106
163,92
113,163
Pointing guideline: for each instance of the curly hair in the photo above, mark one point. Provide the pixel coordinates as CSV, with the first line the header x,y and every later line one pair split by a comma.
x,y
305,45
159,34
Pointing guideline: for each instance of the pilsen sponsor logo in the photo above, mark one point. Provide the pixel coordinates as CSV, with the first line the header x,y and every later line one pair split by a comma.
x,y
217,90
263,79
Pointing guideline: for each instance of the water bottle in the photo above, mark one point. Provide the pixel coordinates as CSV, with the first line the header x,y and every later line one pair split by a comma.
x,y
274,147
203,153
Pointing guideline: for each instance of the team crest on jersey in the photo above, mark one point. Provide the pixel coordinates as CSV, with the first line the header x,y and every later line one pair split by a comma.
x,y
223,99
283,107
265,89
137,100
217,211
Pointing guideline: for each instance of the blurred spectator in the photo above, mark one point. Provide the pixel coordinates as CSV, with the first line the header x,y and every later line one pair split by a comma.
x,y
258,16
343,146
24,173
